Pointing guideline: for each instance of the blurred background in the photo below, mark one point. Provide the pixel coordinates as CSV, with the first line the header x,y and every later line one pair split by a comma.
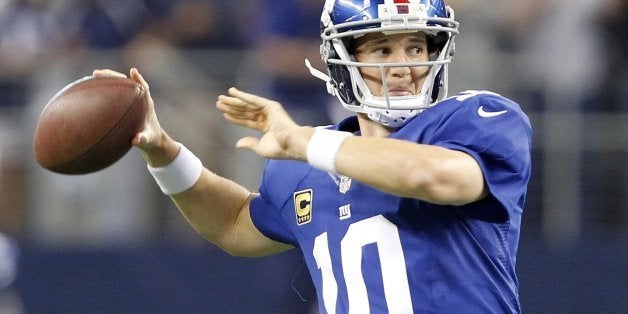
x,y
110,242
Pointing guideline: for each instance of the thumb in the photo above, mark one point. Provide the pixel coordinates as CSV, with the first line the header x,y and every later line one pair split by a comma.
x,y
137,140
141,139
248,142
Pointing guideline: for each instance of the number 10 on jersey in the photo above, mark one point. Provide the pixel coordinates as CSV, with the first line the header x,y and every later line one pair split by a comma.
x,y
375,230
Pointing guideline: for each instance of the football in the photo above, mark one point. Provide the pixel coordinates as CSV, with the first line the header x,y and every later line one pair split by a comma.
x,y
89,124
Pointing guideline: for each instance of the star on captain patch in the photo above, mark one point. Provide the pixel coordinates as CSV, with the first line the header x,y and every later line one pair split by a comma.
x,y
303,206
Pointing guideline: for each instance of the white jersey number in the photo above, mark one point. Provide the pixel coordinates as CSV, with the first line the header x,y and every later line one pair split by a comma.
x,y
385,235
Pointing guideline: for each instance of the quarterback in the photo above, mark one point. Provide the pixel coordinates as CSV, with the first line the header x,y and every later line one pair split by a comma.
x,y
411,205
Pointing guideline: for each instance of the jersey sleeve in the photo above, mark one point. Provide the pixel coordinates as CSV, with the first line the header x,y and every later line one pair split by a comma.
x,y
267,220
276,188
496,133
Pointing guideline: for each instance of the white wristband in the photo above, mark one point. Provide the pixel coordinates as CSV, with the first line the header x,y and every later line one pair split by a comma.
x,y
323,148
180,174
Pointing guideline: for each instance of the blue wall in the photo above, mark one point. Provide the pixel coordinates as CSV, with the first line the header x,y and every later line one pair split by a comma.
x,y
591,278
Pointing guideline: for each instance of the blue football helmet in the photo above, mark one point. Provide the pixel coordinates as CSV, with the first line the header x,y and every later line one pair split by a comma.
x,y
344,20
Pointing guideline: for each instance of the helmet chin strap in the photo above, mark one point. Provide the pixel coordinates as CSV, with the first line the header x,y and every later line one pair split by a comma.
x,y
322,76
316,72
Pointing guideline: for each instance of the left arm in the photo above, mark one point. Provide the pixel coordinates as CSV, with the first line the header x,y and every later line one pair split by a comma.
x,y
430,173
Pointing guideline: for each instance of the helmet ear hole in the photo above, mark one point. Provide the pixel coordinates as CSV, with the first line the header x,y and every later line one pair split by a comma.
x,y
350,43
341,78
436,44
437,85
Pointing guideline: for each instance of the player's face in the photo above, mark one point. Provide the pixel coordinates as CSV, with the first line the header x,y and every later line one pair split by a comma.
x,y
395,48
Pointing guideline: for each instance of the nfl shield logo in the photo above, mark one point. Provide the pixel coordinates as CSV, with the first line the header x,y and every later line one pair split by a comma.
x,y
345,184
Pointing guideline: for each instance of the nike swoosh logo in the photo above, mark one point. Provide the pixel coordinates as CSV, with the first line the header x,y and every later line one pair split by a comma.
x,y
489,114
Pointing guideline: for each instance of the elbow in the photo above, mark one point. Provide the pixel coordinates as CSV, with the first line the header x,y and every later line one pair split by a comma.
x,y
247,245
250,251
233,248
429,188
444,187
228,243
238,252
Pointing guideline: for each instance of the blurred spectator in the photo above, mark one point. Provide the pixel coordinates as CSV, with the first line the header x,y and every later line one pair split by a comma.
x,y
550,56
475,60
10,300
286,33
556,61
27,30
80,210
111,23
28,34
558,46
157,37
605,173
193,52
203,24
613,23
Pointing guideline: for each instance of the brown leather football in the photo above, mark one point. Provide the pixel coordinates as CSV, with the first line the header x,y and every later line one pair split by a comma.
x,y
89,124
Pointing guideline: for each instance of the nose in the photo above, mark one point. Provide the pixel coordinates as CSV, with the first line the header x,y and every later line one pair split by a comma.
x,y
398,71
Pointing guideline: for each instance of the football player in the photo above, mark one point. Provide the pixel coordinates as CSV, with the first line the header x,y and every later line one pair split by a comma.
x,y
412,205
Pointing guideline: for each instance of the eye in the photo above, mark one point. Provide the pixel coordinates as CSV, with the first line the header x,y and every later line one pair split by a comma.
x,y
381,51
416,50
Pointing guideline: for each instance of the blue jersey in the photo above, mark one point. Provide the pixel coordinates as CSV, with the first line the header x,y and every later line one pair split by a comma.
x,y
369,251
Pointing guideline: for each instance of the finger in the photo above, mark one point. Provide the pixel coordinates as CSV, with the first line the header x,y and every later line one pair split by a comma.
x,y
238,112
249,98
239,104
226,103
106,73
136,76
248,123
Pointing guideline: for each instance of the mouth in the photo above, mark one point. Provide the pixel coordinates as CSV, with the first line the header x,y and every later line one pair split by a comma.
x,y
400,91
